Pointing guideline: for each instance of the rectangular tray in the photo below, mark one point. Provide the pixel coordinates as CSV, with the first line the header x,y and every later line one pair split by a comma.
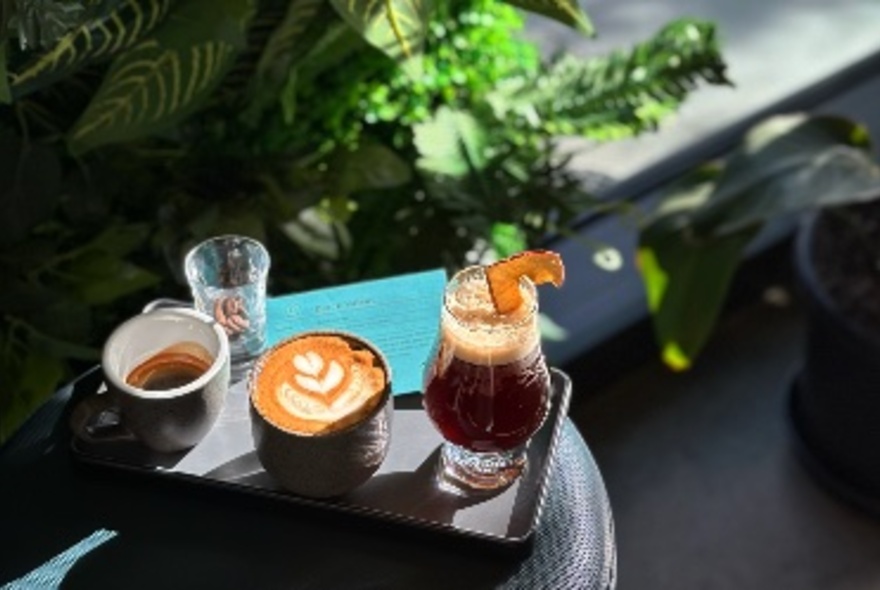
x,y
402,491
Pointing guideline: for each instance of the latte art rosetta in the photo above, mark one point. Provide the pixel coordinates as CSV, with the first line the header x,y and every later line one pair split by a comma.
x,y
319,384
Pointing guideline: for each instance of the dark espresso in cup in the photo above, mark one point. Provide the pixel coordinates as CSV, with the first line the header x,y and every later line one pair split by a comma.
x,y
172,367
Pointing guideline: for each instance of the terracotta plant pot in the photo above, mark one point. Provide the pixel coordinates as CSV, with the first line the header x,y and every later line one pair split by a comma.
x,y
835,398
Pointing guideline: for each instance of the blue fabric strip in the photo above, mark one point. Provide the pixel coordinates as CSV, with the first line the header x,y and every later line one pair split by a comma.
x,y
50,574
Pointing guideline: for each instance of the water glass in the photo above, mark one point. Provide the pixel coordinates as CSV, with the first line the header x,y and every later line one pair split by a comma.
x,y
227,276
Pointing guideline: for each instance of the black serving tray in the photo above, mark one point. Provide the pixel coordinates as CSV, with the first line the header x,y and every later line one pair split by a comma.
x,y
402,491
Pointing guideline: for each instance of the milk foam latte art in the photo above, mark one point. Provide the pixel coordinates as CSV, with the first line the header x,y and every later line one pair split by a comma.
x,y
321,412
318,384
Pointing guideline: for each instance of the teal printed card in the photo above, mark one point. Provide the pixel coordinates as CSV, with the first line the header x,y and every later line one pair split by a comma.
x,y
400,315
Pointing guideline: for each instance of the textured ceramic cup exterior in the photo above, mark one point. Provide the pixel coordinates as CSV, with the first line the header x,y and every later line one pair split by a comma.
x,y
324,465
173,419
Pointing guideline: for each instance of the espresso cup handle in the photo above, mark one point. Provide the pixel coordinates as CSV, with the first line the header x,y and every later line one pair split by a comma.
x,y
97,419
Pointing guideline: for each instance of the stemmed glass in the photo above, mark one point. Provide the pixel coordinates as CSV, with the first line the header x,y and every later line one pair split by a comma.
x,y
487,389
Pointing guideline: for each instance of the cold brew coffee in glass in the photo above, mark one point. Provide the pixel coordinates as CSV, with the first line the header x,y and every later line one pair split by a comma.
x,y
487,389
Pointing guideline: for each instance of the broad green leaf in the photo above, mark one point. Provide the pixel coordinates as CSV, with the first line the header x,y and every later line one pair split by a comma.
x,y
119,240
369,166
396,27
508,239
318,236
30,186
565,11
338,43
290,41
292,38
47,310
5,92
452,143
36,379
125,279
167,76
98,38
692,244
65,349
790,163
686,282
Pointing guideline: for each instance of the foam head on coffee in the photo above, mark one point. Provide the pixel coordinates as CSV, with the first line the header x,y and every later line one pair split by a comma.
x,y
318,384
477,333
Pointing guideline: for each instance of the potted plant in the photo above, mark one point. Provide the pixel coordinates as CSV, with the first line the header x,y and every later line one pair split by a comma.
x,y
132,129
821,167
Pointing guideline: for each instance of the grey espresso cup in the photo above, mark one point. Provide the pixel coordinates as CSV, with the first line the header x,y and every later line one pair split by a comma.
x,y
168,372
334,457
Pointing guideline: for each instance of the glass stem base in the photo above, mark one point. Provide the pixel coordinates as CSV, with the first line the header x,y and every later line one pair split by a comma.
x,y
462,471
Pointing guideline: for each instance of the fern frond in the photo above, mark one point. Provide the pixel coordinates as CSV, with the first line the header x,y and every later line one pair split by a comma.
x,y
622,94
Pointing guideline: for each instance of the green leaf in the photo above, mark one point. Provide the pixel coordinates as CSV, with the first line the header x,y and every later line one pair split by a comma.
x,y
167,76
692,244
119,240
98,38
125,279
318,236
299,30
64,349
452,143
30,186
369,166
508,239
618,95
37,378
396,27
287,98
289,41
686,281
5,92
565,11
48,311
789,163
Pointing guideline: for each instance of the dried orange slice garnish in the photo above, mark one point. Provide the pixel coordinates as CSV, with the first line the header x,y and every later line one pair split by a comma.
x,y
540,266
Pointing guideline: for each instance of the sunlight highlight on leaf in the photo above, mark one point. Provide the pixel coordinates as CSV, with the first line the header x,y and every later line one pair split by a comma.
x,y
396,27
565,11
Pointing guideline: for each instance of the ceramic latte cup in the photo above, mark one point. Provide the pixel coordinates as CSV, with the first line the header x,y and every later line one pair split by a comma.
x,y
321,408
168,372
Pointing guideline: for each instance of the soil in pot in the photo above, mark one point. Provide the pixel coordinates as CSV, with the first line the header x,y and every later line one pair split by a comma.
x,y
836,398
846,253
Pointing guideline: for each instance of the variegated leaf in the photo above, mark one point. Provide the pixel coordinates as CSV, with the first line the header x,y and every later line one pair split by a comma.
x,y
397,27
165,77
289,43
300,24
565,11
96,39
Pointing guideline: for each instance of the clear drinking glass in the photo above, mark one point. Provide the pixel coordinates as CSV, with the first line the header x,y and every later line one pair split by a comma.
x,y
227,277
487,390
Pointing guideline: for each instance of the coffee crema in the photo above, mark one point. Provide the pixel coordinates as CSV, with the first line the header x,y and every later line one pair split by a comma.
x,y
171,367
318,384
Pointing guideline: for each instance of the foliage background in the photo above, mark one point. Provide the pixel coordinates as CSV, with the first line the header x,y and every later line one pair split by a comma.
x,y
354,148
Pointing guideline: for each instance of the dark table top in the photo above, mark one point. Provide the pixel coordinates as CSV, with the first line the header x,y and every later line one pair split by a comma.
x,y
70,525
